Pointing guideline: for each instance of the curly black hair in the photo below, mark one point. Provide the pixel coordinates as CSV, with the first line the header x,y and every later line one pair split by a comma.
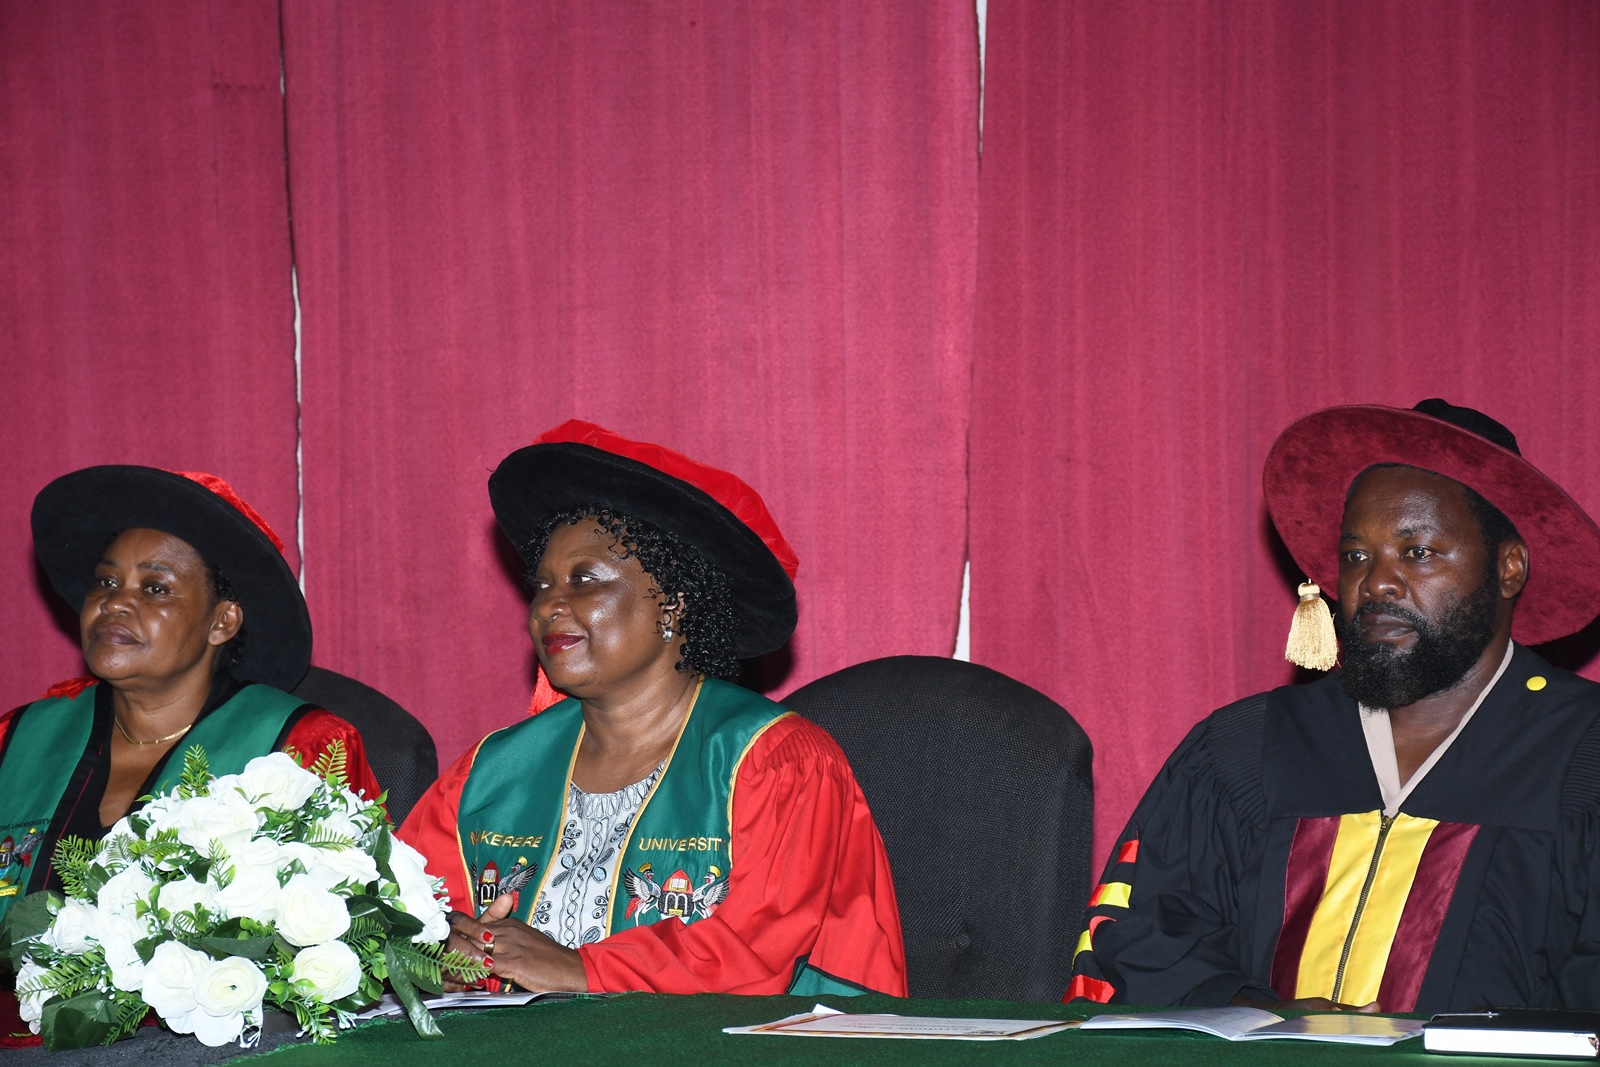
x,y
680,572
228,655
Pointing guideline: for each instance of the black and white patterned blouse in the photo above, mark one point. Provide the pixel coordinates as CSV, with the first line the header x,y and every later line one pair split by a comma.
x,y
573,905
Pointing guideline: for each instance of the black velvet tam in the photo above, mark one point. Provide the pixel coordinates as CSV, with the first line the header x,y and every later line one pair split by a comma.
x,y
76,516
535,482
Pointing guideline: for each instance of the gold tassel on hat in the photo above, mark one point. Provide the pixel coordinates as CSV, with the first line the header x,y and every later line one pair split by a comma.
x,y
1312,642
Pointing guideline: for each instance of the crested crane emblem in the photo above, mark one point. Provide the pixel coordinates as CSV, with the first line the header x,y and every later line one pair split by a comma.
x,y
675,898
15,859
489,883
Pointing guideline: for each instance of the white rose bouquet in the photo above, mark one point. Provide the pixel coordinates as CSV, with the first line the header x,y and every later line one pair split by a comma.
x,y
274,888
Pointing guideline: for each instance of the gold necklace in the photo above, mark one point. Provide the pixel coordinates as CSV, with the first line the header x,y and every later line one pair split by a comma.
x,y
158,741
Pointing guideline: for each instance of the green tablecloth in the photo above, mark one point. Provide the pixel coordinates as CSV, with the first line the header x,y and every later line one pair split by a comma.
x,y
649,1030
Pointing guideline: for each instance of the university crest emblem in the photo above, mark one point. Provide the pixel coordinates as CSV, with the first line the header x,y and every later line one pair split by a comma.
x,y
489,884
677,897
15,859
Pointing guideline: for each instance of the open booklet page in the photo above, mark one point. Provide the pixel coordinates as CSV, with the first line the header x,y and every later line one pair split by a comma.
x,y
1253,1024
472,998
823,1021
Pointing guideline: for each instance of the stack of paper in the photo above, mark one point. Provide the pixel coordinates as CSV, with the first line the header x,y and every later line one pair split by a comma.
x,y
1253,1024
823,1021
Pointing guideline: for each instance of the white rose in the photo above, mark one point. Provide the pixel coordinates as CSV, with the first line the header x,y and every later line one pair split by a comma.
x,y
117,936
227,783
169,981
228,820
75,926
277,781
161,814
422,904
259,855
409,867
308,914
341,825
123,891
31,1007
225,993
253,894
308,856
186,894
434,930
332,970
333,866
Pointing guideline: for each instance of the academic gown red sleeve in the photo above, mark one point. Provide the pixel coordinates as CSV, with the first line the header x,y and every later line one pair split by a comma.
x,y
316,730
810,879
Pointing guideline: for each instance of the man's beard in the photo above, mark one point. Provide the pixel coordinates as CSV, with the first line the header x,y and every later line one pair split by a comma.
x,y
1381,676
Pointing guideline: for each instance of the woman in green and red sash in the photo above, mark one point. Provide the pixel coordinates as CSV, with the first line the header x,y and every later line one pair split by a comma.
x,y
192,626
662,829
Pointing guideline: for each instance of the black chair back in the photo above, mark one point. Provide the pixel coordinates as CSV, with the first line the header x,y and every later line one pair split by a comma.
x,y
399,747
981,787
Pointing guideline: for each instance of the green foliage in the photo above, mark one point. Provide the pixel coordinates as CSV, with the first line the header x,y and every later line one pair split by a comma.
x,y
314,1019
251,948
79,1022
407,994
331,766
28,918
163,850
382,849
196,773
73,858
322,837
395,921
130,1012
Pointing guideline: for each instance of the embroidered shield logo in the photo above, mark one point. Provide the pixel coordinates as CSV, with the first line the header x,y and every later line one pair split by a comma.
x,y
489,883
675,898
15,859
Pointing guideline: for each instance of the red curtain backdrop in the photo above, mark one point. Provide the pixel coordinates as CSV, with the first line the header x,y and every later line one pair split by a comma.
x,y
1202,220
747,231
752,232
145,305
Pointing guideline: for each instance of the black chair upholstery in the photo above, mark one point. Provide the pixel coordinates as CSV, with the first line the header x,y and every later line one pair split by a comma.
x,y
982,790
399,747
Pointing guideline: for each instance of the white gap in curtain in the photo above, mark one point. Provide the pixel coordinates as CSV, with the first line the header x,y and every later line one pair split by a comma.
x,y
294,291
964,624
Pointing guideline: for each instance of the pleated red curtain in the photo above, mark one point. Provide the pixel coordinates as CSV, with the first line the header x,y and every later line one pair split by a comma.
x,y
745,231
1202,220
146,313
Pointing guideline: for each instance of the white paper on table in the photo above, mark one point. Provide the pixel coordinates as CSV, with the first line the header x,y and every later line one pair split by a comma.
x,y
823,1021
1253,1024
471,998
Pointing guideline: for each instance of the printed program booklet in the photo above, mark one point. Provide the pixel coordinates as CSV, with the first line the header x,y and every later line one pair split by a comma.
x,y
823,1021
471,998
1253,1024
1516,1032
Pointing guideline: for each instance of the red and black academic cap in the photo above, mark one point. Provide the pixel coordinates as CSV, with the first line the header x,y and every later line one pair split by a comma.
x,y
76,516
1313,463
581,464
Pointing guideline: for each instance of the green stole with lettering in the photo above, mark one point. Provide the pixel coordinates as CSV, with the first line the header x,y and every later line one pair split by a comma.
x,y
677,856
48,741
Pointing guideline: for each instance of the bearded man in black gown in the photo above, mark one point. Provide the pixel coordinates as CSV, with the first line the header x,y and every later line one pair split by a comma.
x,y
1420,830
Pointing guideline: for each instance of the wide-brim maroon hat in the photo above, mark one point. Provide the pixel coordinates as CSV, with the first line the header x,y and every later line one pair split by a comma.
x,y
76,516
1313,462
581,464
